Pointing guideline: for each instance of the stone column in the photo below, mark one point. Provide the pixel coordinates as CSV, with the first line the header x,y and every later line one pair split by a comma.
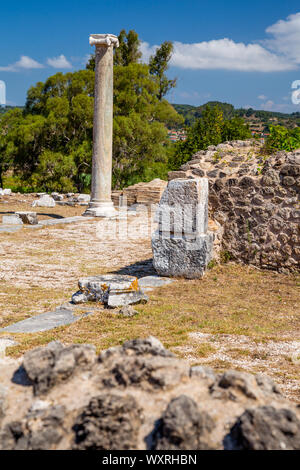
x,y
101,204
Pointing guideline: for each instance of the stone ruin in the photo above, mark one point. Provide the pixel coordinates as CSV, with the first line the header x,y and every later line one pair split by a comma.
x,y
182,246
254,199
138,396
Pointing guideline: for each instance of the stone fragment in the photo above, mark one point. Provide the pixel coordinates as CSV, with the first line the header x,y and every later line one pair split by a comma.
x,y
112,290
57,196
240,381
129,298
13,219
44,201
5,192
142,363
27,217
127,311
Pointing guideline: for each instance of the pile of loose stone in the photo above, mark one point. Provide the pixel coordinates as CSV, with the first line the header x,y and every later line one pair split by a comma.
x,y
255,199
138,396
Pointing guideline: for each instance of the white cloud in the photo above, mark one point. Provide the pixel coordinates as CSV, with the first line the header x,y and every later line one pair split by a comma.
x,y
262,97
147,50
268,105
227,55
281,52
25,62
286,37
59,62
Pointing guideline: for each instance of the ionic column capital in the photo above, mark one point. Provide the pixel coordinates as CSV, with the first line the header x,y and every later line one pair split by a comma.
x,y
104,40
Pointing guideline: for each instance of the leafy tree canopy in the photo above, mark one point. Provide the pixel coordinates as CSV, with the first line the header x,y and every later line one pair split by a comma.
x,y
210,129
50,143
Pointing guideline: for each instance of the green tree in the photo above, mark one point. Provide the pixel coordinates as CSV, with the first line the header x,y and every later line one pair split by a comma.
x,y
159,64
281,138
54,172
210,129
50,143
140,120
127,53
235,129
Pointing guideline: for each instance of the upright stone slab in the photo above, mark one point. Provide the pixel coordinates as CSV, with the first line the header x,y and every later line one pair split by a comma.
x,y
182,245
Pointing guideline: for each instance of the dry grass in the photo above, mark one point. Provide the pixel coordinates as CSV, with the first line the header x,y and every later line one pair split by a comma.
x,y
236,316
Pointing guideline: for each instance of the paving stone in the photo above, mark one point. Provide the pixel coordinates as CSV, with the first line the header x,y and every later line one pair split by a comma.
x,y
12,219
10,228
64,220
44,321
149,283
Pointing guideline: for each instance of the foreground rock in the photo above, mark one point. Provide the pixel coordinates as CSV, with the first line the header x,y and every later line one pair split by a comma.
x,y
137,396
112,290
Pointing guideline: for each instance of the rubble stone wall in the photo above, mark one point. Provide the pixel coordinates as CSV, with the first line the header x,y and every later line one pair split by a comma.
x,y
138,396
255,198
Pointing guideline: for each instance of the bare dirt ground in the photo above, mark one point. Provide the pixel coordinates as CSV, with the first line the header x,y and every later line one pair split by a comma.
x,y
236,316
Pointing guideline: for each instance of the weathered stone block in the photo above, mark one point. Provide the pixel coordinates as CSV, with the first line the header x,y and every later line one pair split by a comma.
x,y
28,217
44,201
112,290
182,256
183,208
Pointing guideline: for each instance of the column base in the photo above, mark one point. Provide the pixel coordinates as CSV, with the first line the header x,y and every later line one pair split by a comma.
x,y
100,209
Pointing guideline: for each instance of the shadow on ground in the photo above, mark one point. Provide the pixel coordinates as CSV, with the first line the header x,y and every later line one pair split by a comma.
x,y
139,269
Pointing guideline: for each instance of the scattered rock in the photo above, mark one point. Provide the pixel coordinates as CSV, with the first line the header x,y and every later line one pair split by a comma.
x,y
112,290
28,217
127,311
57,196
44,201
5,192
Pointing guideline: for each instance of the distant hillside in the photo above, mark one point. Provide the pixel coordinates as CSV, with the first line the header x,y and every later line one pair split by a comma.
x,y
258,120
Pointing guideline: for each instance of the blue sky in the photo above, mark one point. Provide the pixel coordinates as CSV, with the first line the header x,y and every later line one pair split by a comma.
x,y
247,54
